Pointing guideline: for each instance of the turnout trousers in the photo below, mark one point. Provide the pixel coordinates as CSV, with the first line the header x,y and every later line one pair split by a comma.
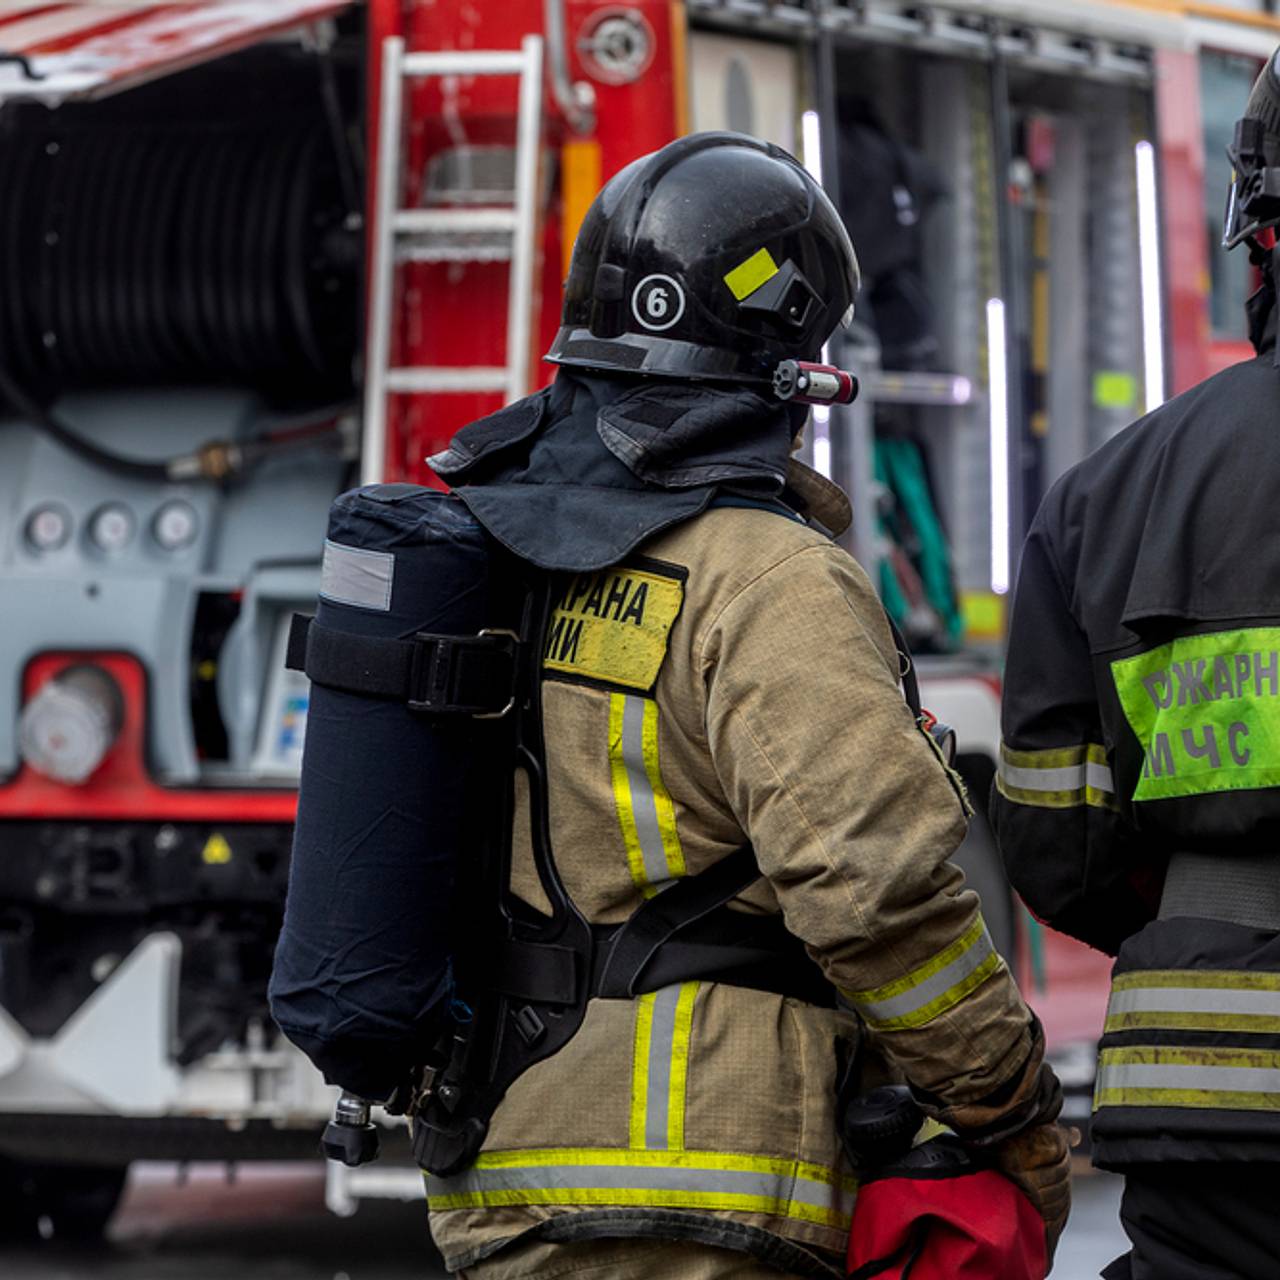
x,y
619,1259
1200,1221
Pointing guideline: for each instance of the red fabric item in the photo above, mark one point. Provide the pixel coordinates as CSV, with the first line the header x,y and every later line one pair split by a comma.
x,y
976,1226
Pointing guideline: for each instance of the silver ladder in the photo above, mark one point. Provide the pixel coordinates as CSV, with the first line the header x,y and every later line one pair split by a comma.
x,y
402,234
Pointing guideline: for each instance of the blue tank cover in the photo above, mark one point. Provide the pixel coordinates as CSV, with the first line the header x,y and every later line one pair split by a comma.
x,y
389,798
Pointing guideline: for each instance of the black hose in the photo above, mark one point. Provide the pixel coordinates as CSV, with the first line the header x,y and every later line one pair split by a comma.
x,y
188,252
40,417
215,460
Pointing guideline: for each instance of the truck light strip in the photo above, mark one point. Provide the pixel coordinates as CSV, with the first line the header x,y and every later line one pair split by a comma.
x,y
1149,265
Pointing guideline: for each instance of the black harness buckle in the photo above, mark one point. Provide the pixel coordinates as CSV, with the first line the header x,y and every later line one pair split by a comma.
x,y
513,646
447,673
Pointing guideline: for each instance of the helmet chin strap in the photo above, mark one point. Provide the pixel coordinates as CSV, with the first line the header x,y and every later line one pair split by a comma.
x,y
1259,254
1260,307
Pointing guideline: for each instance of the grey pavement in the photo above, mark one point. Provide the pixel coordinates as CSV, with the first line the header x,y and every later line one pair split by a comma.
x,y
271,1224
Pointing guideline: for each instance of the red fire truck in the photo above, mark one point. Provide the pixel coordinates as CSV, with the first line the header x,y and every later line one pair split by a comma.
x,y
255,251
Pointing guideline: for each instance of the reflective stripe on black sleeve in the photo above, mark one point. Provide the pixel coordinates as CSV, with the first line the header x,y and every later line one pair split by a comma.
x,y
1057,778
1161,1017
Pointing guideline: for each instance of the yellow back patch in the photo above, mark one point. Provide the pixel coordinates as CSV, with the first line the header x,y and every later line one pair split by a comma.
x,y
614,626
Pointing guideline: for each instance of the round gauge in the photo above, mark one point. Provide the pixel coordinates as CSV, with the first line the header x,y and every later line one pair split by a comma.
x,y
111,527
48,528
616,45
175,525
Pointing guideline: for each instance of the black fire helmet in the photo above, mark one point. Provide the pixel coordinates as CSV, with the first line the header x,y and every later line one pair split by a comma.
x,y
1253,199
711,259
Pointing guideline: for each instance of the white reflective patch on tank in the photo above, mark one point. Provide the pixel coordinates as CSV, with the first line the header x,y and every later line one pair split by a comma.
x,y
356,575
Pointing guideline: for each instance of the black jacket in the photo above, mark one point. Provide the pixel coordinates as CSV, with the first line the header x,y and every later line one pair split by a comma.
x,y
1141,721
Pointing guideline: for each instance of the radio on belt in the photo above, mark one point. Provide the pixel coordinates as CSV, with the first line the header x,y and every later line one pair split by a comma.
x,y
803,382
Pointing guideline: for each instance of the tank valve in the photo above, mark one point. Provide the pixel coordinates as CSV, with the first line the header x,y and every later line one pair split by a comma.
x,y
350,1138
69,726
802,382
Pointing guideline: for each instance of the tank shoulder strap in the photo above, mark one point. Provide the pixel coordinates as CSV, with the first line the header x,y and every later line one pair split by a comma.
x,y
632,949
432,674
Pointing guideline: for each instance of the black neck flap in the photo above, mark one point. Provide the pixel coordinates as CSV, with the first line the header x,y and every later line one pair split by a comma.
x,y
576,477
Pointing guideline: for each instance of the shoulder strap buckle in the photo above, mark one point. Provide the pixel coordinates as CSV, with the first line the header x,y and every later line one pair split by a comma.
x,y
457,674
514,641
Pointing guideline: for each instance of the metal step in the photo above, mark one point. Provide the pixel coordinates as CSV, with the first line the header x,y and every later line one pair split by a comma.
x,y
454,235
464,378
451,62
479,248
417,222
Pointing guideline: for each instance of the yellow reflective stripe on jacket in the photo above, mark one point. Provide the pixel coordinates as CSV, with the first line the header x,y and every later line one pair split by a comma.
x,y
936,986
1058,778
660,1067
645,811
660,1179
1200,1078
1195,1000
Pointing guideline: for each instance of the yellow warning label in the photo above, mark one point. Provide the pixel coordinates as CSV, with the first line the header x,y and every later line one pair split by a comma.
x,y
983,613
216,850
1114,389
748,276
614,626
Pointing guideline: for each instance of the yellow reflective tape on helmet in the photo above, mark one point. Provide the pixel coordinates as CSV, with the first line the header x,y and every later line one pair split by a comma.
x,y
936,986
748,276
662,803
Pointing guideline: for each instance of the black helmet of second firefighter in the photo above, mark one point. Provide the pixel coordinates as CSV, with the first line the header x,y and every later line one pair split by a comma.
x,y
1253,198
710,260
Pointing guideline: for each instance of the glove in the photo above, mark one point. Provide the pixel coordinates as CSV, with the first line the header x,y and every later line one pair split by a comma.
x,y
1038,1162
1032,1096
1014,1126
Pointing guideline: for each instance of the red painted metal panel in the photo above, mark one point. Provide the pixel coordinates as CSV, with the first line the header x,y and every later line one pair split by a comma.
x,y
1222,355
1072,1003
1186,256
122,787
83,50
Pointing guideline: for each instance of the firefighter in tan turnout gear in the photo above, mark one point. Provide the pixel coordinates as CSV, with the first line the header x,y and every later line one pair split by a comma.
x,y
719,676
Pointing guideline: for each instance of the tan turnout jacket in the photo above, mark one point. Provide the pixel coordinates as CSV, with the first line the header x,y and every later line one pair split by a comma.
x,y
738,682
